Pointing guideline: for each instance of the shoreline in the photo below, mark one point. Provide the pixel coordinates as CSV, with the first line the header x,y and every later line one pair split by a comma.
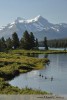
x,y
29,52
19,59
12,65
32,97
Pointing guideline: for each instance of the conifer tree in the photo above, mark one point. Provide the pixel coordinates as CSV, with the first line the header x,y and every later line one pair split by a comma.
x,y
15,40
26,43
36,43
2,44
32,40
45,43
9,43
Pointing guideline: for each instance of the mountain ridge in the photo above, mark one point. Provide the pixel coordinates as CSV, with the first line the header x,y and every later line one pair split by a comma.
x,y
40,26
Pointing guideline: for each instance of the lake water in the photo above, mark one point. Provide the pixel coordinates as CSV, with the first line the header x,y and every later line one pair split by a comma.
x,y
43,48
57,68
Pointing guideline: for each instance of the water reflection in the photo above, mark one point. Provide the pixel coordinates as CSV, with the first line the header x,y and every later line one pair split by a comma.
x,y
45,55
52,78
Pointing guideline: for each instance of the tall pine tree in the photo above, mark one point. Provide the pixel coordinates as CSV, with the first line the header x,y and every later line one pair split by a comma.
x,y
9,43
36,43
32,40
2,44
15,40
45,43
25,40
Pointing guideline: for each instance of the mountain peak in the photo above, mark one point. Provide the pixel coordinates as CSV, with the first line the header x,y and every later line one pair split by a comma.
x,y
41,19
38,17
40,26
19,19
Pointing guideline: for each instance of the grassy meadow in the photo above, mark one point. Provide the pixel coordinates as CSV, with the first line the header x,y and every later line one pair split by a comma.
x,y
15,62
12,63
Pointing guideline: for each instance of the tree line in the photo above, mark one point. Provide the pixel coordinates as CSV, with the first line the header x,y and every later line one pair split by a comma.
x,y
54,43
58,43
27,42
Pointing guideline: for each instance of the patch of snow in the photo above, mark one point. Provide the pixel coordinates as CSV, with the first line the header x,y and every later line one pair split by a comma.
x,y
0,29
12,23
47,28
34,19
41,24
55,29
38,26
10,26
30,21
22,21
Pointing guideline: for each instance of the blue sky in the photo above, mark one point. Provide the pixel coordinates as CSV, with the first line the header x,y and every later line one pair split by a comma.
x,y
54,11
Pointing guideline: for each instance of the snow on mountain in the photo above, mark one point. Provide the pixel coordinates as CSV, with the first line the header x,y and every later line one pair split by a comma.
x,y
38,25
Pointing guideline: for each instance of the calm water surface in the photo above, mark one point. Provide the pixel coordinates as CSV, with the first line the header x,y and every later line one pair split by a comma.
x,y
57,68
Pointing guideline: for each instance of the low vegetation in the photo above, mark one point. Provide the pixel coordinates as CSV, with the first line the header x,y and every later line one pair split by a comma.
x,y
5,88
34,52
14,62
11,65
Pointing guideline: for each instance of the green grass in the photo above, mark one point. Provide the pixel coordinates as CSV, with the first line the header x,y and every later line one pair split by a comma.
x,y
20,61
15,62
5,88
11,65
31,52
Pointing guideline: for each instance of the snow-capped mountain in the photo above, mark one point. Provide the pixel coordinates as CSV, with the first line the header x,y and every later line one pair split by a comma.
x,y
38,25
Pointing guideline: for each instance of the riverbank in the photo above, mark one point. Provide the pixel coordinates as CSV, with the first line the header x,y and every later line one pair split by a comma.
x,y
15,62
31,52
6,88
32,97
11,65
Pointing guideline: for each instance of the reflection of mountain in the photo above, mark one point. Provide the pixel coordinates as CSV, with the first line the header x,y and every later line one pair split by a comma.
x,y
39,26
